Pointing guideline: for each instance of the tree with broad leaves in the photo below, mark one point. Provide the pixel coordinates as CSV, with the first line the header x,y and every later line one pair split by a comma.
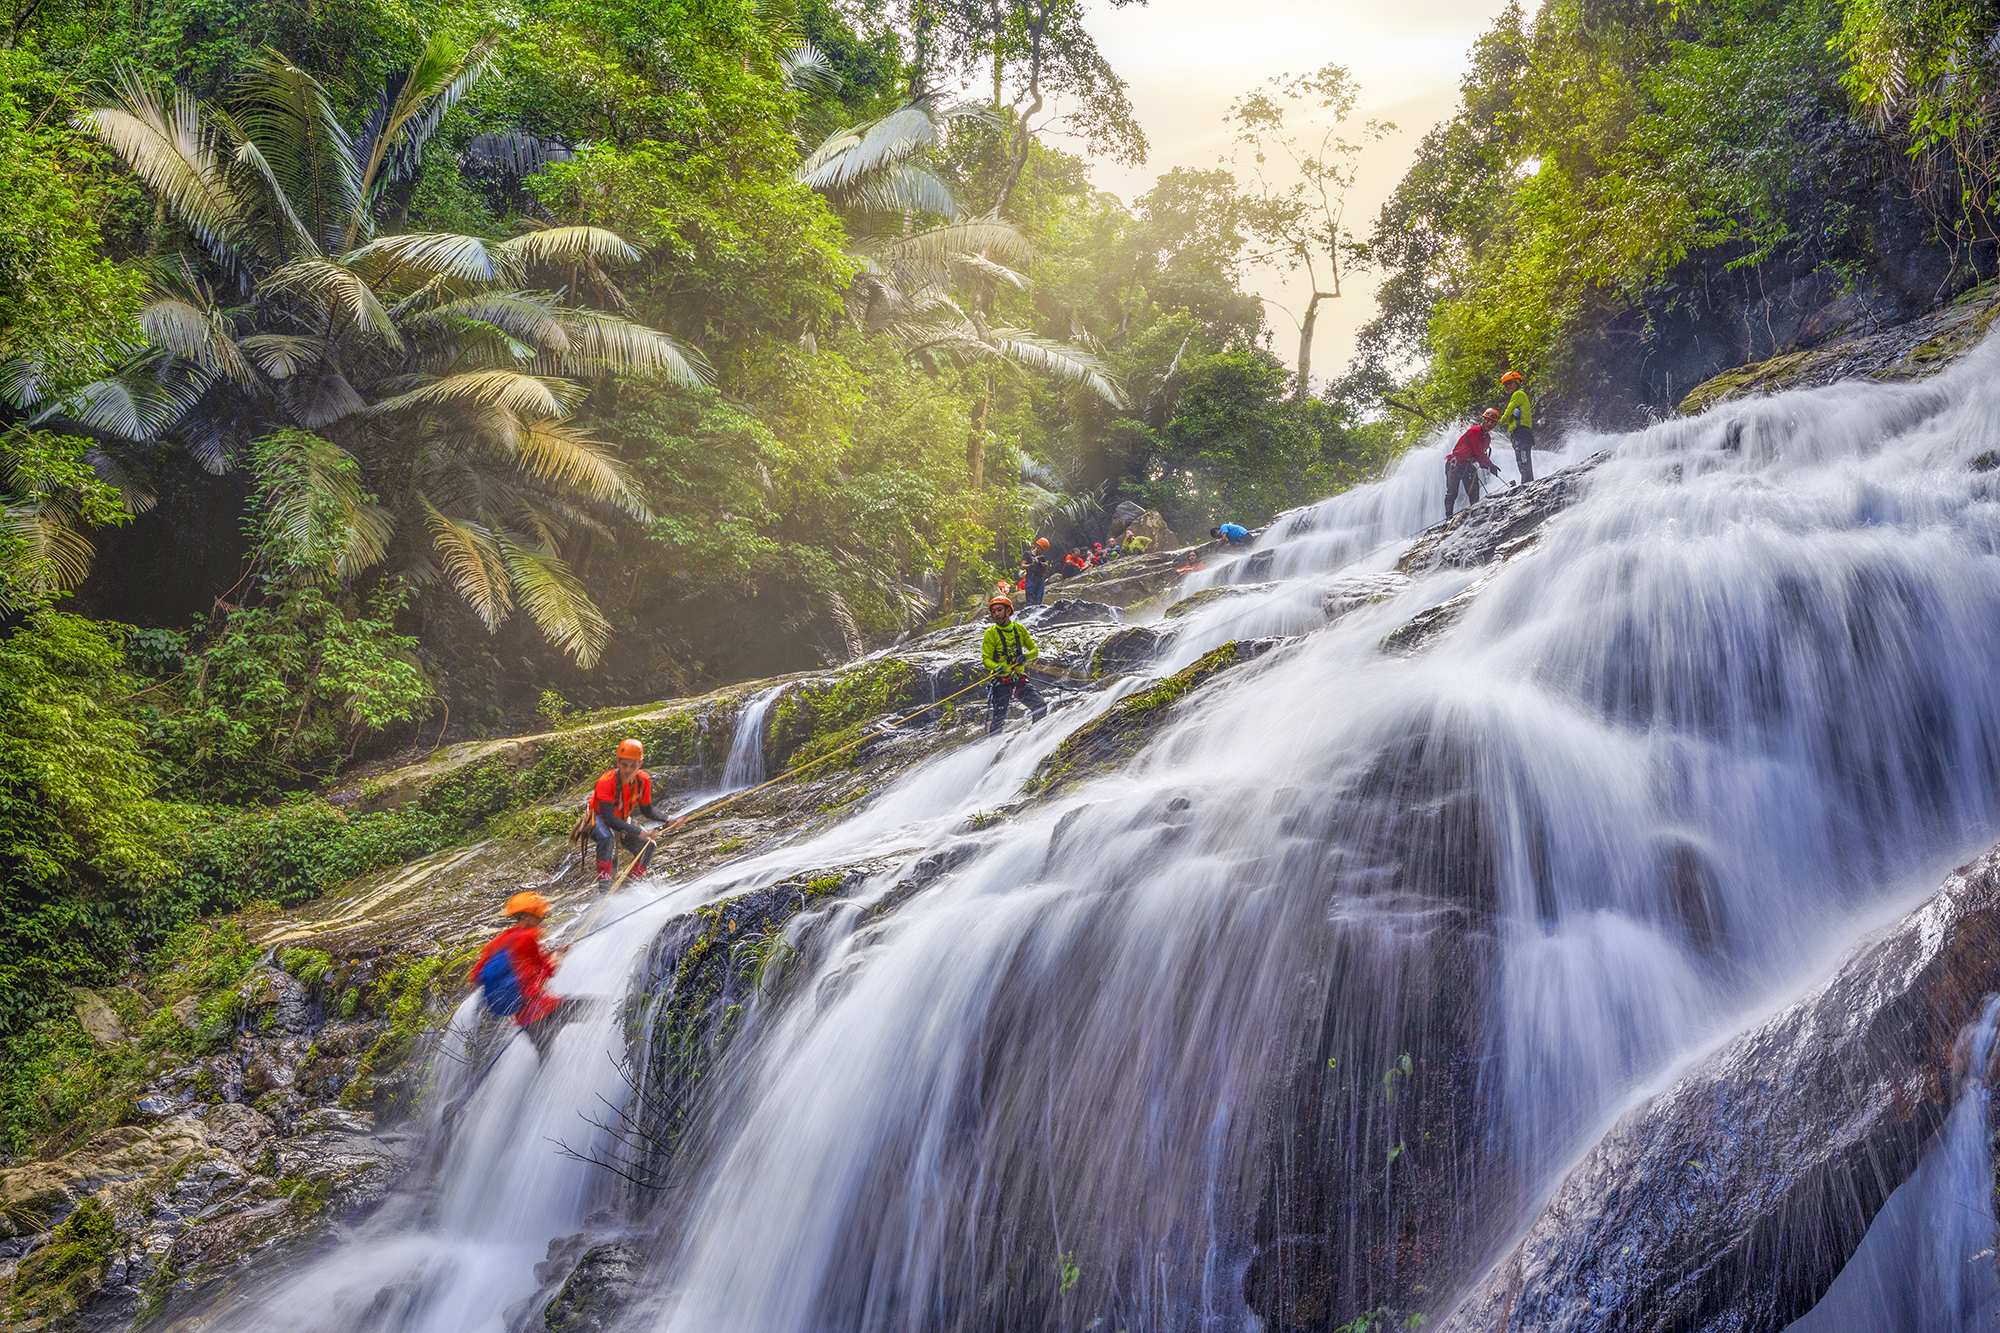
x,y
1301,172
443,367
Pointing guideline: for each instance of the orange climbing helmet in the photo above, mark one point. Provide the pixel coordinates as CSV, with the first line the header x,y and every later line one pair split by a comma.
x,y
1000,599
1041,543
1490,415
532,903
631,749
1511,377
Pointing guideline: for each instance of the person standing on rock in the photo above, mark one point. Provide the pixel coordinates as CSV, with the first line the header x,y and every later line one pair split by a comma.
x,y
1007,651
1471,453
623,788
1519,415
1035,573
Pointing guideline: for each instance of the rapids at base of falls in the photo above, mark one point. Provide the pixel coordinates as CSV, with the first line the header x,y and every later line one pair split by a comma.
x,y
1305,1012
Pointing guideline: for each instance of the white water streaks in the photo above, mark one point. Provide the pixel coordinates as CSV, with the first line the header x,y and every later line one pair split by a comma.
x,y
745,767
1162,1053
1927,1264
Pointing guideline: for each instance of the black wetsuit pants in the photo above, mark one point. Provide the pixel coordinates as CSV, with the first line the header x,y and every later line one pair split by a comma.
x,y
608,839
1460,474
1523,440
1003,692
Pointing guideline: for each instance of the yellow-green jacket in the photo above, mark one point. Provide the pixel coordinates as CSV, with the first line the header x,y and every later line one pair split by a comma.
x,y
1520,412
1007,650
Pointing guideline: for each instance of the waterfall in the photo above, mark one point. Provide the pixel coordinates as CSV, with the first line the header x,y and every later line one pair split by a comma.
x,y
1295,1015
746,748
1927,1264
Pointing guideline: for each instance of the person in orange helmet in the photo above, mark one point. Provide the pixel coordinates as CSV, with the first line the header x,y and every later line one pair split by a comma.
x,y
1520,418
1471,453
514,972
624,788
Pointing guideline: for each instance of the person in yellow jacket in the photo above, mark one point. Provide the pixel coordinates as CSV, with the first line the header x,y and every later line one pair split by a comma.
x,y
1519,419
1007,651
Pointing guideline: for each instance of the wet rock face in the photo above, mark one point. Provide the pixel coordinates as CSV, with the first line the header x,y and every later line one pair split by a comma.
x,y
145,1218
1475,536
1382,1158
599,1288
1731,1201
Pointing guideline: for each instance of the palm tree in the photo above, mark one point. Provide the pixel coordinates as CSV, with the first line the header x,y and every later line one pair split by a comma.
x,y
443,366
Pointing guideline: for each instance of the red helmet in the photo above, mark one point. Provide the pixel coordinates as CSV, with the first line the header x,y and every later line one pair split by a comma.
x,y
631,749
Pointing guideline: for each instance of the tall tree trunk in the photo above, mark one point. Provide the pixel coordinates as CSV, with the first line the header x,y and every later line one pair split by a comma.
x,y
975,466
1304,385
1037,25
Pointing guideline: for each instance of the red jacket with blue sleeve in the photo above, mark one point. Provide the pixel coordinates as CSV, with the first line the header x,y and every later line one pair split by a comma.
x,y
532,969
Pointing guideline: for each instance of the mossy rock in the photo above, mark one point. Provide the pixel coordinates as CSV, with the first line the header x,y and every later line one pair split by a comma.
x,y
66,1269
1118,735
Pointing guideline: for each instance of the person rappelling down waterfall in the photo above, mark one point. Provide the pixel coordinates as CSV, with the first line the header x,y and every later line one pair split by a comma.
x,y
1471,453
1006,651
513,972
624,788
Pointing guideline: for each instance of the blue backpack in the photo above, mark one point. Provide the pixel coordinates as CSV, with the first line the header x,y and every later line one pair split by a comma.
x,y
502,991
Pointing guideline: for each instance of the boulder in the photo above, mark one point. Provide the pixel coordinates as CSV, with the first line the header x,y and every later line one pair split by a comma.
x,y
1143,522
1733,1199
600,1287
98,1019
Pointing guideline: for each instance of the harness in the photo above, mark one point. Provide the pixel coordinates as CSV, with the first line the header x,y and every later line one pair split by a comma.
x,y
1010,645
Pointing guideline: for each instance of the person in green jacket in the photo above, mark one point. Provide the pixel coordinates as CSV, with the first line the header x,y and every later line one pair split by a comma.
x,y
1519,418
1007,650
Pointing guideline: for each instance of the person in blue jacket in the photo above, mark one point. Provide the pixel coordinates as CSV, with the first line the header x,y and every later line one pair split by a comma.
x,y
1235,532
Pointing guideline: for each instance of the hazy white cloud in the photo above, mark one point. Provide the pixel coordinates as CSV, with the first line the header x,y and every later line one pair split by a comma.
x,y
1186,59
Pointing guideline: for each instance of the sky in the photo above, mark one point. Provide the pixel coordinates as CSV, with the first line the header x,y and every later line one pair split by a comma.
x,y
1185,60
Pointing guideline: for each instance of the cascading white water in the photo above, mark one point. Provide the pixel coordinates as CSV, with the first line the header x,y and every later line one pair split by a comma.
x,y
1352,915
745,767
1927,1264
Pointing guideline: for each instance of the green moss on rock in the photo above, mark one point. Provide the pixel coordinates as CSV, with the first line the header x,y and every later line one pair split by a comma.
x,y
1118,735
66,1268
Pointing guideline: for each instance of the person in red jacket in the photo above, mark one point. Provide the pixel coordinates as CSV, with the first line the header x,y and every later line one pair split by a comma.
x,y
1471,453
624,788
514,971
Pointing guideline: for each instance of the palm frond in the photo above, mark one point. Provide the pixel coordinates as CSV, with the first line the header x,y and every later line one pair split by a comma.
x,y
527,397
291,122
405,117
529,316
925,258
1063,362
136,495
553,596
170,145
283,355
848,156
53,553
320,395
423,256
313,501
192,333
473,562
807,68
132,405
902,187
22,381
341,289
605,344
563,455
566,245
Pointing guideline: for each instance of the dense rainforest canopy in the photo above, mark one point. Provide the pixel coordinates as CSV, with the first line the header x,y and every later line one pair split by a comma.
x,y
373,374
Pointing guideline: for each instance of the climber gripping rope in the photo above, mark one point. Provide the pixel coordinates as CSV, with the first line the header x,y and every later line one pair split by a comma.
x,y
1471,453
1007,651
513,972
624,788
